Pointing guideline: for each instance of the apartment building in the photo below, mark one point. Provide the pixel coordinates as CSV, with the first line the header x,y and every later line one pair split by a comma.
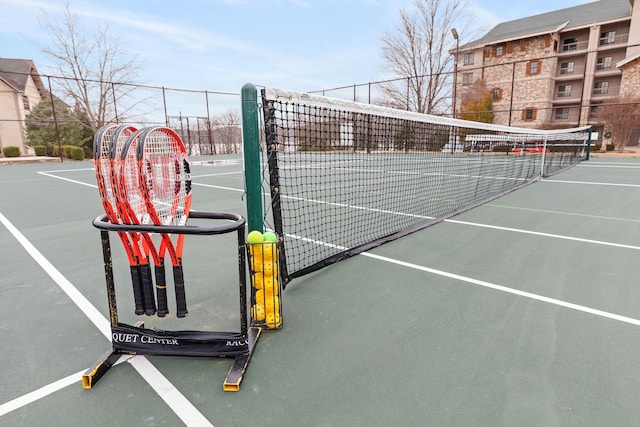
x,y
20,90
554,69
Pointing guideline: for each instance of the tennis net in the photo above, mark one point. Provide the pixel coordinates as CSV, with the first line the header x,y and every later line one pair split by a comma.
x,y
345,177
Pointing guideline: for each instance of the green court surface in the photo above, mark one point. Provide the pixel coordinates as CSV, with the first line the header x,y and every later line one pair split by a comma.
x,y
524,311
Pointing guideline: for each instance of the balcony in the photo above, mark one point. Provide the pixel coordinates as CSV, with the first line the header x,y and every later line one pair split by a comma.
x,y
573,46
607,72
605,89
569,71
612,41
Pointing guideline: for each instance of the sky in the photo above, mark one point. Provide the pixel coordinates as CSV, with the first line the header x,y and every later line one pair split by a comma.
x,y
219,45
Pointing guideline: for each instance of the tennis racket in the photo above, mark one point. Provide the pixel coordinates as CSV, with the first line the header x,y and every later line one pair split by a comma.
x,y
102,165
130,206
165,181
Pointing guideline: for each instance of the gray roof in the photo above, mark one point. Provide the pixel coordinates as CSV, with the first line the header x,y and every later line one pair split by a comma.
x,y
15,72
573,17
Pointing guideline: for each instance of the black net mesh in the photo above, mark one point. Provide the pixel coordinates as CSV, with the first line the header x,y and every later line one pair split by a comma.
x,y
345,177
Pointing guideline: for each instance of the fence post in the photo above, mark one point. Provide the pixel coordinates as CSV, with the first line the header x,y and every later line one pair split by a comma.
x,y
164,102
115,105
55,120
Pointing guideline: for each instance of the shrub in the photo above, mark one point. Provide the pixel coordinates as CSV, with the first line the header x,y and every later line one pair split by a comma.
x,y
40,150
11,151
610,147
76,153
67,150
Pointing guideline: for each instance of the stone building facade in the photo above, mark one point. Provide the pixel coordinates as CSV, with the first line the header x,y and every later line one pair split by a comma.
x,y
553,70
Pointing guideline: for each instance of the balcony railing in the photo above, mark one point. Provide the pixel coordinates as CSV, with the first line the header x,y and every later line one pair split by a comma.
x,y
613,40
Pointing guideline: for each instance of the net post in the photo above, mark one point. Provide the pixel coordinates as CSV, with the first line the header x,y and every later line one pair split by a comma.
x,y
251,152
544,156
589,144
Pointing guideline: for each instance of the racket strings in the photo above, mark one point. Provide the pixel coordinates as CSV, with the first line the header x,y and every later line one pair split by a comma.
x,y
165,170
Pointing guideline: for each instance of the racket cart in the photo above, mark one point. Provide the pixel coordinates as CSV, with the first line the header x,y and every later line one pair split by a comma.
x,y
137,340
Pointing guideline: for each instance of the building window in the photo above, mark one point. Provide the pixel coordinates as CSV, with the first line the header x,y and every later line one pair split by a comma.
x,y
593,112
607,37
601,88
533,68
567,67
562,113
467,78
25,103
564,91
604,63
570,43
468,58
500,49
529,114
496,94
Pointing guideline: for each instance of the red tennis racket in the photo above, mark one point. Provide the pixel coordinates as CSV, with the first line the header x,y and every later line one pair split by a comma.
x,y
165,182
131,206
102,164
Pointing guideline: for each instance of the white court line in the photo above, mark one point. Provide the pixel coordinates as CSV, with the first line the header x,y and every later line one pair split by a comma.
x,y
171,396
40,393
549,211
67,179
167,391
537,233
70,170
67,287
559,181
595,162
219,187
608,165
512,291
215,174
494,286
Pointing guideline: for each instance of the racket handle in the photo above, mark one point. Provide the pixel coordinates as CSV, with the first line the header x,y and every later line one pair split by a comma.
x,y
147,290
137,289
161,291
181,299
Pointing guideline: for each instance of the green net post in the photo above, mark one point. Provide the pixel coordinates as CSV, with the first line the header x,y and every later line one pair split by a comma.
x,y
251,142
589,145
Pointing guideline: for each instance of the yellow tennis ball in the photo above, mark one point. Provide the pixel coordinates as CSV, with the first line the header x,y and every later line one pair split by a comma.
x,y
259,296
272,304
255,236
255,250
258,280
269,252
268,268
273,320
255,257
256,265
270,237
258,313
270,285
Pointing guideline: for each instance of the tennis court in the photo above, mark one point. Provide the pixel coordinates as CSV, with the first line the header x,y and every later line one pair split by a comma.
x,y
522,311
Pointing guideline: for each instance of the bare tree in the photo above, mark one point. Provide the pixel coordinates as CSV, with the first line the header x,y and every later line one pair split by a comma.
x,y
419,51
97,73
621,116
227,132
